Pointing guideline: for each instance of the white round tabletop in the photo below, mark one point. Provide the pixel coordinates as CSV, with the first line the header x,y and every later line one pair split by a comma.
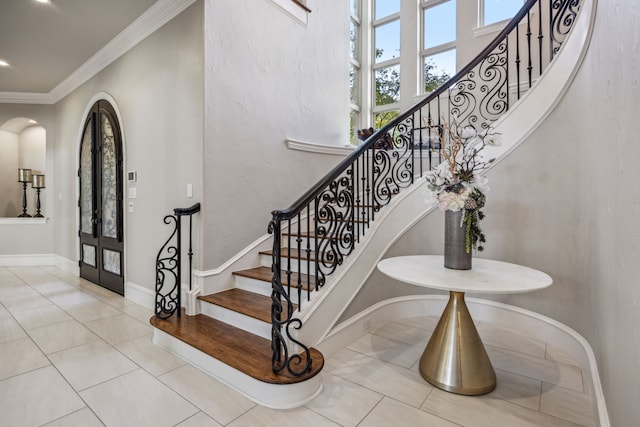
x,y
486,276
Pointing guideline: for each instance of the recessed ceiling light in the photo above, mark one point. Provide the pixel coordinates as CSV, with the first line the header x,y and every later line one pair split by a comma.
x,y
44,1
3,63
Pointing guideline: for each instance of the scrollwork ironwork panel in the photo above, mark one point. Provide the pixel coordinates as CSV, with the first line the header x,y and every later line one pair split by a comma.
x,y
167,279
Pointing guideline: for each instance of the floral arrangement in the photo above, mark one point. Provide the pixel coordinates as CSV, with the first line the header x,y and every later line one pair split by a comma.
x,y
458,183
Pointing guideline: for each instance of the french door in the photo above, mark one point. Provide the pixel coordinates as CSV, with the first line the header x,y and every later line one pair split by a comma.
x,y
101,209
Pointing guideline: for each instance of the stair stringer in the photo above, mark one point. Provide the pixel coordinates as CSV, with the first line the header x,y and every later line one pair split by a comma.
x,y
319,316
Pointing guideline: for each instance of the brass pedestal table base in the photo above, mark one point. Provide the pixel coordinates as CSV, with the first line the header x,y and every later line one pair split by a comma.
x,y
455,359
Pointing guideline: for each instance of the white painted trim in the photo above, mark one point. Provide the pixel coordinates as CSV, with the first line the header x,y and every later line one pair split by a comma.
x,y
68,265
23,221
140,295
276,396
345,150
529,323
241,321
152,19
290,8
27,260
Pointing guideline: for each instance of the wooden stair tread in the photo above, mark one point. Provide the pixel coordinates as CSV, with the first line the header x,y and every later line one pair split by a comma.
x,y
242,350
244,302
264,274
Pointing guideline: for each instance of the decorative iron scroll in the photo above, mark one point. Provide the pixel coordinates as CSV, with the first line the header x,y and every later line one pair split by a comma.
x,y
168,264
563,14
167,280
325,224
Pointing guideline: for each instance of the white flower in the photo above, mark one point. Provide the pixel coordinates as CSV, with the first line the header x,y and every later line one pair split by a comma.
x,y
468,132
480,182
493,139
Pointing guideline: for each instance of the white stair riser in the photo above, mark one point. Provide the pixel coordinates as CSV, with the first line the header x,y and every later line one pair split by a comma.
x,y
236,319
306,267
263,288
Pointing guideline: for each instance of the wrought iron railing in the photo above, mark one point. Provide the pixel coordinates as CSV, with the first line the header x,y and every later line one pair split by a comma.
x,y
169,264
314,235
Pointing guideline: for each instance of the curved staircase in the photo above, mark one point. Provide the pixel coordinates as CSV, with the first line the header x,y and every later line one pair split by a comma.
x,y
257,335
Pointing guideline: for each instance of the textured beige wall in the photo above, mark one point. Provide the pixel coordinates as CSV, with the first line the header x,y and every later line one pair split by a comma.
x,y
268,78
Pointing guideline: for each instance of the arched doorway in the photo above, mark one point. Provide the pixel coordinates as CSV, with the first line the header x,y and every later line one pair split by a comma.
x,y
101,208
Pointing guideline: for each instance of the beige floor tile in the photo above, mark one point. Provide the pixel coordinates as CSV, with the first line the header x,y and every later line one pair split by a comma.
x,y
265,417
567,376
91,310
137,399
517,389
52,286
10,330
4,313
61,336
382,348
41,316
147,355
394,381
568,405
211,396
344,402
90,364
509,340
411,335
70,298
482,412
559,356
19,356
82,418
25,301
14,289
138,312
390,412
199,420
119,328
428,323
36,397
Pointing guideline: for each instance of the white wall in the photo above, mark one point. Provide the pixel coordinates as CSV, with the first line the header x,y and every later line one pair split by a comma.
x,y
567,201
157,90
268,77
10,189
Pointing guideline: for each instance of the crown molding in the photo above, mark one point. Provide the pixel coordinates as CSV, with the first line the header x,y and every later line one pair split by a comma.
x,y
154,18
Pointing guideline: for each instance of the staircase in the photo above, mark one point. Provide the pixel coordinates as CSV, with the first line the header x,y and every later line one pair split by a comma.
x,y
257,336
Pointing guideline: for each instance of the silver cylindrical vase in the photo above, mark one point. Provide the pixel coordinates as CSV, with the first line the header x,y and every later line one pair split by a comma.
x,y
455,251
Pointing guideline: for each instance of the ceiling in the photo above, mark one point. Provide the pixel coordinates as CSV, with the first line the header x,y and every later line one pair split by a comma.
x,y
45,43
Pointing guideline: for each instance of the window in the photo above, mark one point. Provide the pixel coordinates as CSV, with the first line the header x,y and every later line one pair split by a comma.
x,y
492,11
354,69
386,61
438,43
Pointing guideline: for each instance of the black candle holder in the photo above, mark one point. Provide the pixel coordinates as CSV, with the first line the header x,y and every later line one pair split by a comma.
x,y
38,184
24,176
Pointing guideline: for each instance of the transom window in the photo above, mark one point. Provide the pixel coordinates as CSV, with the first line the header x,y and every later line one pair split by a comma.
x,y
492,11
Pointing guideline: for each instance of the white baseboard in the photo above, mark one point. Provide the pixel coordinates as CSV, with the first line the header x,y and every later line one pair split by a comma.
x,y
68,265
531,324
28,260
140,295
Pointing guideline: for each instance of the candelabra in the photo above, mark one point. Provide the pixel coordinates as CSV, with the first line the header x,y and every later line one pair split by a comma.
x,y
24,176
38,184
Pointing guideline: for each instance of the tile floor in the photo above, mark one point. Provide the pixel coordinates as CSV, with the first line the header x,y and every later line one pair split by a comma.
x,y
74,354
